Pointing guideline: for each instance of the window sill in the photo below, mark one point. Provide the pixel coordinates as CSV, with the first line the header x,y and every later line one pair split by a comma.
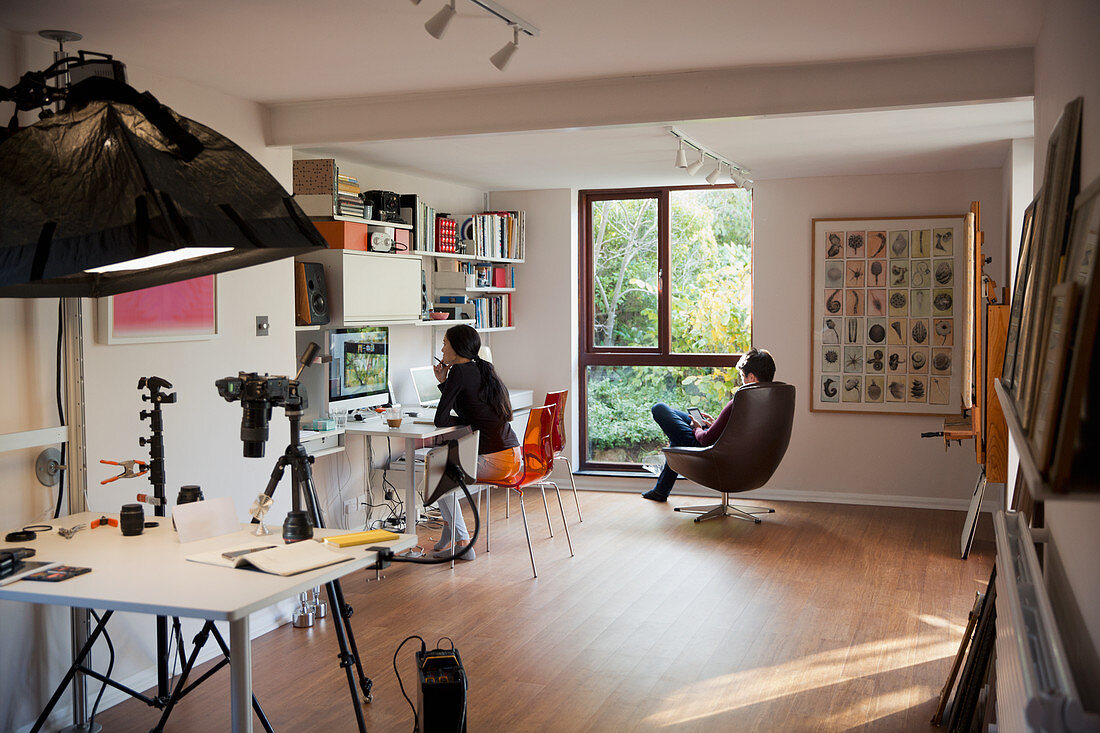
x,y
616,474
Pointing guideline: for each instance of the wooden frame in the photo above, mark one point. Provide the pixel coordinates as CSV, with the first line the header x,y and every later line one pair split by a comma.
x,y
894,346
1051,225
179,311
590,355
1016,320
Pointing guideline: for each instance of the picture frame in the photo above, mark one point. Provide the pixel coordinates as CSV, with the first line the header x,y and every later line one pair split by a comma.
x,y
1063,309
179,311
1083,271
1016,321
887,303
1051,226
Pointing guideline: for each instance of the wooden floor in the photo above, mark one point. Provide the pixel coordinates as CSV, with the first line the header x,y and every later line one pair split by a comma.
x,y
823,618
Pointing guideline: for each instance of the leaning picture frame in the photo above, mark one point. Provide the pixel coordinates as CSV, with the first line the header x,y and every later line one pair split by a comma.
x,y
887,308
179,311
1016,320
1050,228
1083,271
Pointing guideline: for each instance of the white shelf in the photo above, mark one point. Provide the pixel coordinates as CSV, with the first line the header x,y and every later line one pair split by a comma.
x,y
307,328
357,220
470,258
490,290
445,322
497,328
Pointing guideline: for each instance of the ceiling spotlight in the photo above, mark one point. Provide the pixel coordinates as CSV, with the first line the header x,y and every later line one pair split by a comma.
x,y
697,165
713,176
501,58
681,156
735,176
437,25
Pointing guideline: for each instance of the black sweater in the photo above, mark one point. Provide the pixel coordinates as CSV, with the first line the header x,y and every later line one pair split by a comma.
x,y
462,392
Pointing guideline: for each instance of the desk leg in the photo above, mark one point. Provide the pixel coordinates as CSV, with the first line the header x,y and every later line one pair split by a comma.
x,y
240,671
410,485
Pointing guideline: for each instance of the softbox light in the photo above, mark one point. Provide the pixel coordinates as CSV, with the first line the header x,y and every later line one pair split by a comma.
x,y
117,177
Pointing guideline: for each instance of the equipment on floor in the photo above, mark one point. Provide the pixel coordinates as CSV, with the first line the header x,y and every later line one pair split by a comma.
x,y
441,693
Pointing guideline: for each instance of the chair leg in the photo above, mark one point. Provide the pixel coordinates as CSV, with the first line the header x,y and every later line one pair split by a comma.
x,y
488,515
573,483
564,523
546,507
725,509
528,533
507,503
454,530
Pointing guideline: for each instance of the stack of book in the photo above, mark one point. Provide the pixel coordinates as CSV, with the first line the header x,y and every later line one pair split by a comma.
x,y
348,200
492,311
422,217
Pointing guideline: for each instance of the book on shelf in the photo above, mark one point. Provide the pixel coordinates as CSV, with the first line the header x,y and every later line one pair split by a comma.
x,y
494,234
422,217
275,559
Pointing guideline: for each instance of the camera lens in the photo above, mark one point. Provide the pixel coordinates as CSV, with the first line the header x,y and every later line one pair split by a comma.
x,y
131,520
254,430
297,527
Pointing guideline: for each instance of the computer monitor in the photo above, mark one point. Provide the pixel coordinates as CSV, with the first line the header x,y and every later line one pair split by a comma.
x,y
359,372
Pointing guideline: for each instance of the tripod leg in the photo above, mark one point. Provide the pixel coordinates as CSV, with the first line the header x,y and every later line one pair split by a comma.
x,y
77,663
199,642
347,659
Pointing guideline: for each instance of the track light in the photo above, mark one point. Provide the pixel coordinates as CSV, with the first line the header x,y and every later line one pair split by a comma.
x,y
712,177
501,58
681,156
438,23
697,165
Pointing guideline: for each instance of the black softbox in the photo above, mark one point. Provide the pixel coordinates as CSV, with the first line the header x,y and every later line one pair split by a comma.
x,y
117,176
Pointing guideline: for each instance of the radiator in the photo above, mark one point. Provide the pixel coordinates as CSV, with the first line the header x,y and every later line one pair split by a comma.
x,y
1035,689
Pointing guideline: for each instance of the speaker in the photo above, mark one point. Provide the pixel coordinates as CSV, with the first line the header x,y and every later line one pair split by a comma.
x,y
310,294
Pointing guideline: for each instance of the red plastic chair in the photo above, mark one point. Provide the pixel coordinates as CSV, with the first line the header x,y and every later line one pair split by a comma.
x,y
557,440
538,464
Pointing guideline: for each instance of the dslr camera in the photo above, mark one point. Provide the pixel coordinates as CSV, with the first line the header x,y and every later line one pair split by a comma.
x,y
257,395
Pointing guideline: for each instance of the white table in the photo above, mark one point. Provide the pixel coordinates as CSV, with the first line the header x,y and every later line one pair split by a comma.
x,y
412,433
148,574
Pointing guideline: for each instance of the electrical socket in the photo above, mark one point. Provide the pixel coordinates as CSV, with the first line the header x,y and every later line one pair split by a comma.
x,y
350,506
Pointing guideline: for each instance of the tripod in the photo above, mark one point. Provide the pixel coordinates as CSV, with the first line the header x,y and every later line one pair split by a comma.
x,y
301,474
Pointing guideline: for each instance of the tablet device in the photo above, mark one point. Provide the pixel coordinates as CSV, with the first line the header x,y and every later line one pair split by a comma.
x,y
696,413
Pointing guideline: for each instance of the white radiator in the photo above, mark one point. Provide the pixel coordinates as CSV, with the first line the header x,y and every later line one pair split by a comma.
x,y
1035,690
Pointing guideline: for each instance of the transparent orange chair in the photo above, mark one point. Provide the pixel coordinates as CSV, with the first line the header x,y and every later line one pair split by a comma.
x,y
538,464
557,440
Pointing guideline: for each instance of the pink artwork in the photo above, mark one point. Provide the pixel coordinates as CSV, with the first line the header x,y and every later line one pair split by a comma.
x,y
177,311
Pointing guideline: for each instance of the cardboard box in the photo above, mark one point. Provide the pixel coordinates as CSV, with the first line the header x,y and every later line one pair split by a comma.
x,y
451,280
343,234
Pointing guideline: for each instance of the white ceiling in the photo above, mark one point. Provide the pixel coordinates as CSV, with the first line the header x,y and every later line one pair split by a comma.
x,y
287,50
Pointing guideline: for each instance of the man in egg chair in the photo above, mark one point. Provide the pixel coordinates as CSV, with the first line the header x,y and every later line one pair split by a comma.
x,y
684,430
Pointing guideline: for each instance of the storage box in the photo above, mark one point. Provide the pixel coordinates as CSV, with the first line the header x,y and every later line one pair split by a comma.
x,y
452,280
343,234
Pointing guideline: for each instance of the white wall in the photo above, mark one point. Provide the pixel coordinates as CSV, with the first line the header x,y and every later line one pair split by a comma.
x,y
1066,61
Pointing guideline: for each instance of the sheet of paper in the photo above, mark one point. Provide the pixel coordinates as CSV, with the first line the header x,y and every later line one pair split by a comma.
x,y
209,518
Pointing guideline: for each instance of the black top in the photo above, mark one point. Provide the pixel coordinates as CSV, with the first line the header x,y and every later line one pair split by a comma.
x,y
462,391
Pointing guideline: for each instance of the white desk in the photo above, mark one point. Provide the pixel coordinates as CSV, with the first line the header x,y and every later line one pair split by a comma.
x,y
148,574
412,433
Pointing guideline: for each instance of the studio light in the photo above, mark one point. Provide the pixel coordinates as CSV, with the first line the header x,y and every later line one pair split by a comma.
x,y
438,23
681,156
501,58
111,192
697,166
714,175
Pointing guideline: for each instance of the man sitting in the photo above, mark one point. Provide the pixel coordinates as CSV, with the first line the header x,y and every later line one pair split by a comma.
x,y
684,430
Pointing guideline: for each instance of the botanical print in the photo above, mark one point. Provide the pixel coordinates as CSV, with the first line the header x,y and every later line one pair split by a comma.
x,y
856,241
830,359
939,389
918,389
897,331
853,389
943,332
921,243
876,244
897,360
876,302
942,243
899,245
875,359
830,389
874,390
834,245
941,361
876,330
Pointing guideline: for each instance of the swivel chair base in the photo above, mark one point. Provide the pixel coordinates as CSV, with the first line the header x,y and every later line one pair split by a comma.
x,y
725,509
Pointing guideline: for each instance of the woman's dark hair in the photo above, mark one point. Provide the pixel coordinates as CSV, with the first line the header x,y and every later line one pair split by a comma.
x,y
466,342
758,362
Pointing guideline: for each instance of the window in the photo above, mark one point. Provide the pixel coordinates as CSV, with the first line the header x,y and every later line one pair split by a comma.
x,y
667,278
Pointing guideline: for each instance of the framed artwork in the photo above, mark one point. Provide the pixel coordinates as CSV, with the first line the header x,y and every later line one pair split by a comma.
x,y
1080,382
1063,302
887,305
1050,227
180,311
1016,321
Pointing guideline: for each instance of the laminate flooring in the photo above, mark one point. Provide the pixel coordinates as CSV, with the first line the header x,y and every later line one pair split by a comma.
x,y
822,618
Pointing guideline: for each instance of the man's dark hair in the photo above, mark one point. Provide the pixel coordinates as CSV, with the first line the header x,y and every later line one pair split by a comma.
x,y
758,362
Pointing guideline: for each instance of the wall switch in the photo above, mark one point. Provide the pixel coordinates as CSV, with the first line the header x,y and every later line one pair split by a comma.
x,y
263,328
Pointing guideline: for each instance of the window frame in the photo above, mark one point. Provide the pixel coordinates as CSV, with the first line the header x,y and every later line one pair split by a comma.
x,y
589,354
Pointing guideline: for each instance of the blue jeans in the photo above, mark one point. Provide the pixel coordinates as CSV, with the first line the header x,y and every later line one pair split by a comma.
x,y
676,425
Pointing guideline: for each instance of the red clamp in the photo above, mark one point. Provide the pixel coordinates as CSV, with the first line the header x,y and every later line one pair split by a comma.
x,y
149,499
127,469
103,521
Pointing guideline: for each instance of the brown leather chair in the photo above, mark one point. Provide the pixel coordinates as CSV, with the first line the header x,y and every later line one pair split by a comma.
x,y
747,452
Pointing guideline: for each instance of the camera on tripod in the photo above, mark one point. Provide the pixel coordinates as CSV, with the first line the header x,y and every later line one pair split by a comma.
x,y
257,395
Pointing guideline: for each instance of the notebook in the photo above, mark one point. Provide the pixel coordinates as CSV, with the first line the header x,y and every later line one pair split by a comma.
x,y
426,385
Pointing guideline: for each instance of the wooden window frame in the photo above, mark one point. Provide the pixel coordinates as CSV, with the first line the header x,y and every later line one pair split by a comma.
x,y
660,356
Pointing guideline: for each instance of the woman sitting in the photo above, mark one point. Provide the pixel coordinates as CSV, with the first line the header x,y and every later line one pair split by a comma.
x,y
470,386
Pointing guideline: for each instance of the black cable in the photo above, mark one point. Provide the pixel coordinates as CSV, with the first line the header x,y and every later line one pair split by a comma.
x,y
385,554
423,649
60,405
107,676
